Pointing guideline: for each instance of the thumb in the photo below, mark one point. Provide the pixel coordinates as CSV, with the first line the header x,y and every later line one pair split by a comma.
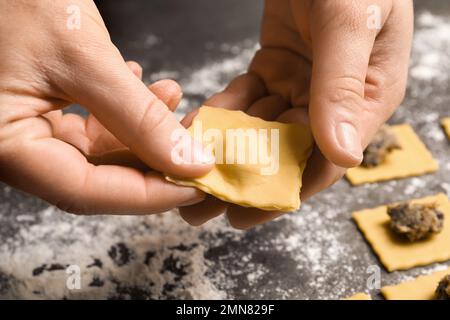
x,y
105,85
342,46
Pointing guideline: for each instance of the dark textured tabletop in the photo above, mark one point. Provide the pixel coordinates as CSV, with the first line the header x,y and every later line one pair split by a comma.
x,y
316,253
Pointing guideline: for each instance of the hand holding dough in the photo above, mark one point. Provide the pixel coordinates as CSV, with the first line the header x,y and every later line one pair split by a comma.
x,y
281,150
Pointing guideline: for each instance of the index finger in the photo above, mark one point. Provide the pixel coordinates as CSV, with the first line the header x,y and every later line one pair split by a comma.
x,y
62,176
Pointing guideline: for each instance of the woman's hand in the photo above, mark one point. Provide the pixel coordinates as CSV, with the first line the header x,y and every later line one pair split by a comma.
x,y
339,65
54,53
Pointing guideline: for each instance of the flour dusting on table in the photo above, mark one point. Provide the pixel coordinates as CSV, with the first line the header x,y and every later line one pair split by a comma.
x,y
316,253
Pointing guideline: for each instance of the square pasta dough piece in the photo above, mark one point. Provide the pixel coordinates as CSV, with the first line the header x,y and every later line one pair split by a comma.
x,y
412,159
359,296
243,182
396,253
421,288
446,125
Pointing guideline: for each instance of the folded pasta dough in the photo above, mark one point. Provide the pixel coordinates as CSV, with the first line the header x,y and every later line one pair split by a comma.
x,y
258,163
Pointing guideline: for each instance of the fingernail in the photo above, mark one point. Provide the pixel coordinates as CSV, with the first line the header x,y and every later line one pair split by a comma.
x,y
349,140
202,155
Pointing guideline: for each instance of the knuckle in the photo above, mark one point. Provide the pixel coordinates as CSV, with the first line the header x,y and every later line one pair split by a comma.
x,y
388,89
345,15
135,66
75,199
342,94
85,50
346,91
76,46
155,115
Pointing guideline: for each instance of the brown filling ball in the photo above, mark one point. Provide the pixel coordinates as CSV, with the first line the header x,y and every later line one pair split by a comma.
x,y
382,144
443,289
415,221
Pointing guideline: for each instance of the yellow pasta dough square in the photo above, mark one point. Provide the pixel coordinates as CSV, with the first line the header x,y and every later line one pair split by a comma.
x,y
412,159
421,288
247,183
396,253
446,125
359,296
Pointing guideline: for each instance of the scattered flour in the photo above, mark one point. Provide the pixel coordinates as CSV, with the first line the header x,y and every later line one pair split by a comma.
x,y
160,256
119,257
213,77
414,185
431,48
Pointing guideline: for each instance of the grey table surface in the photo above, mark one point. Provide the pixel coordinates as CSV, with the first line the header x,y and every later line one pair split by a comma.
x,y
316,253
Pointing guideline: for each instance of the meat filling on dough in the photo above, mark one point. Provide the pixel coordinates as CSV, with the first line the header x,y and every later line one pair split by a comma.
x,y
415,221
382,144
443,289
